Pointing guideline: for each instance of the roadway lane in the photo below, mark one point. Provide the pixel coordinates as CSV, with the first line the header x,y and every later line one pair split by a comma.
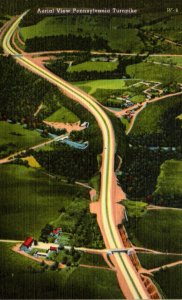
x,y
134,286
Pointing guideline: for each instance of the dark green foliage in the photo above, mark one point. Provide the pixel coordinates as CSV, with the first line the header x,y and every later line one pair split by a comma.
x,y
93,260
21,92
150,261
66,42
45,233
141,169
170,282
161,128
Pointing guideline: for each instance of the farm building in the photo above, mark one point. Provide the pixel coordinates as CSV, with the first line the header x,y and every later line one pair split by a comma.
x,y
53,248
56,232
27,244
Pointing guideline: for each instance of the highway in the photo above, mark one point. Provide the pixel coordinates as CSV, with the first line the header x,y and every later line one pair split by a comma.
x,y
134,288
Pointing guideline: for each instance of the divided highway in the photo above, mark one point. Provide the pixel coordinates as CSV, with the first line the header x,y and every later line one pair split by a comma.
x,y
134,288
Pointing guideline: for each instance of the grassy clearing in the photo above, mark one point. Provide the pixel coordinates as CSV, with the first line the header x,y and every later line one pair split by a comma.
x,y
153,72
94,66
134,208
94,284
173,60
158,229
93,260
31,161
150,261
170,282
138,98
93,85
63,115
125,122
35,282
18,137
150,119
29,200
95,183
169,180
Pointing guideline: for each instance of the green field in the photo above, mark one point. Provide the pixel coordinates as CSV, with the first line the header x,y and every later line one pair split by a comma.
x,y
93,260
170,282
173,60
94,284
29,200
153,72
88,25
134,208
157,229
125,122
63,115
169,182
19,137
34,282
94,66
111,84
150,119
150,261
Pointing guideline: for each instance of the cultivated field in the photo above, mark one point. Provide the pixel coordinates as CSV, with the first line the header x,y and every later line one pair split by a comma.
x,y
79,283
29,200
172,60
150,261
18,137
169,182
94,66
159,230
153,72
170,282
63,115
150,119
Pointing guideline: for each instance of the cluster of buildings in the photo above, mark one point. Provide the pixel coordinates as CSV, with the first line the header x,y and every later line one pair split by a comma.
x,y
104,58
125,100
30,243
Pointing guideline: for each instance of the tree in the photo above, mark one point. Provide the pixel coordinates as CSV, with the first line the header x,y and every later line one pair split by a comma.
x,y
64,260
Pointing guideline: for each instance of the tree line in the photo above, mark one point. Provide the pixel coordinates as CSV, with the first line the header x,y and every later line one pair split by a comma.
x,y
66,42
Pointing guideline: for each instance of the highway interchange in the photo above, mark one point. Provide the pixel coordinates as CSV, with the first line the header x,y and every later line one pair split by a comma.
x,y
132,285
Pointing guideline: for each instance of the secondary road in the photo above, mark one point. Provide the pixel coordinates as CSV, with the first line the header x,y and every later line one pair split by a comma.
x,y
132,284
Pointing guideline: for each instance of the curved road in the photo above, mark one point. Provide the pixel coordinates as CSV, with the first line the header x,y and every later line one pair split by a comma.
x,y
134,288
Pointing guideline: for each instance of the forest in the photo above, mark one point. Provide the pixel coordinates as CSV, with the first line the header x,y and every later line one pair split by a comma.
x,y
66,42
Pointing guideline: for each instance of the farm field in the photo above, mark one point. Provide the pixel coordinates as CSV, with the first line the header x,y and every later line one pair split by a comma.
x,y
157,229
151,118
169,183
90,25
170,282
52,284
18,137
173,60
30,200
93,260
94,66
63,115
94,284
150,261
153,72
111,84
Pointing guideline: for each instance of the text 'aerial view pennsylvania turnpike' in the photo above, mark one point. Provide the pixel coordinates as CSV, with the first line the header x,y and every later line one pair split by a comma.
x,y
91,149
